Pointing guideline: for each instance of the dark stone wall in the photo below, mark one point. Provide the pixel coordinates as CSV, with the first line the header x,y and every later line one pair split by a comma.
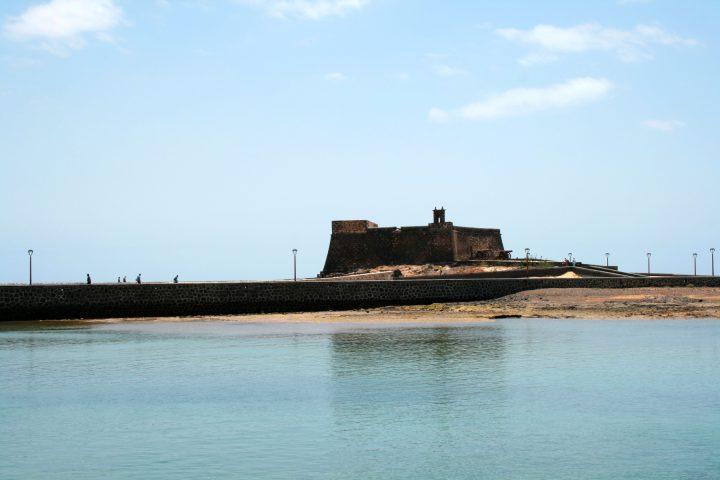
x,y
40,302
470,242
418,245
388,246
354,245
352,226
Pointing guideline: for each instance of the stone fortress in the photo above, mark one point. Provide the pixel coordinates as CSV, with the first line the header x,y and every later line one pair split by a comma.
x,y
361,244
355,245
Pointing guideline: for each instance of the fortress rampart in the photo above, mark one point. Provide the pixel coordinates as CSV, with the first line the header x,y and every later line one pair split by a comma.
x,y
358,244
41,302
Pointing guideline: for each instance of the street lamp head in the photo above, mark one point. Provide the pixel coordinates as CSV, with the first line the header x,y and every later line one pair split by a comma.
x,y
294,251
648,254
694,254
712,250
30,252
527,250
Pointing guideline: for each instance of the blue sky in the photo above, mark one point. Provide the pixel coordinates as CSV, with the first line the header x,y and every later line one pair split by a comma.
x,y
210,137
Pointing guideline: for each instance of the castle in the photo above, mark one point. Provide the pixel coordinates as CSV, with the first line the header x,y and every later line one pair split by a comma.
x,y
358,244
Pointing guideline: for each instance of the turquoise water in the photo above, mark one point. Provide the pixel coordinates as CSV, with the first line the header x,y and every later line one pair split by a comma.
x,y
515,399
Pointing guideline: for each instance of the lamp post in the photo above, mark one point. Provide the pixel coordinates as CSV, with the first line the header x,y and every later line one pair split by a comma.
x,y
695,264
30,252
607,259
570,258
712,261
294,264
527,262
648,257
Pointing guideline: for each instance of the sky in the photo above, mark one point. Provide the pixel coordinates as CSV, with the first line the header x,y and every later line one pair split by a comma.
x,y
208,138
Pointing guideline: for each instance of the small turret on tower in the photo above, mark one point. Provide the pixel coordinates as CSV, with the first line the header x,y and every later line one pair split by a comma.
x,y
438,216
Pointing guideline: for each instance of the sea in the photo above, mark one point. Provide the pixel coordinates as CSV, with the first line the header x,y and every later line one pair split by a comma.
x,y
508,399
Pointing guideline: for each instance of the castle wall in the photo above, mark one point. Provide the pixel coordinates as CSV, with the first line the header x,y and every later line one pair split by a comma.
x,y
352,226
359,244
419,245
389,246
41,302
472,240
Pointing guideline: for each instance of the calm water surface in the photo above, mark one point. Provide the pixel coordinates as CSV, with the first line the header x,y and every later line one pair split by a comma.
x,y
516,399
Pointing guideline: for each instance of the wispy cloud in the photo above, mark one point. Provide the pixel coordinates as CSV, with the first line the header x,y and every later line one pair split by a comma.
x,y
665,126
20,62
630,45
448,71
442,65
62,24
335,76
521,101
307,9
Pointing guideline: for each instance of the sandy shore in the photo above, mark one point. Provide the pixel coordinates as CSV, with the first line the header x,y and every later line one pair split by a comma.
x,y
588,303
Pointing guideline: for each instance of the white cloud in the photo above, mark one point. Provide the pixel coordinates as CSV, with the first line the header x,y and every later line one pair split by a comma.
x,y
520,101
448,71
629,45
665,126
307,9
537,58
61,24
335,76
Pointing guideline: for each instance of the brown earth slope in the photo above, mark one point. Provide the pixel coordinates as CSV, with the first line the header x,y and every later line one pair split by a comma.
x,y
591,303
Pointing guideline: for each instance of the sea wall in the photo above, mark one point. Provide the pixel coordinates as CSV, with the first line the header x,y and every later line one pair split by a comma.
x,y
40,302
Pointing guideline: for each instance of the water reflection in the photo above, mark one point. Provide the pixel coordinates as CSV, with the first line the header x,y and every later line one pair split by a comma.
x,y
451,377
369,352
512,399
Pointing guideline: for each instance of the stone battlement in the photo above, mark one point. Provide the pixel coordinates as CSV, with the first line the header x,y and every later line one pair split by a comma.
x,y
352,226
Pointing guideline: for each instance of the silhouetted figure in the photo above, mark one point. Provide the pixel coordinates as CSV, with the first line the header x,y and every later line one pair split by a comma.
x,y
89,281
118,279
175,280
124,279
138,279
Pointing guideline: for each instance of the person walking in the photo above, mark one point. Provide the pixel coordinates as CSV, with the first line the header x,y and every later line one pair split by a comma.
x,y
118,279
138,279
124,279
89,281
175,280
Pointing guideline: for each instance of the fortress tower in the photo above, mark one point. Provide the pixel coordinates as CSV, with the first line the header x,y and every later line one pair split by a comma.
x,y
358,244
438,215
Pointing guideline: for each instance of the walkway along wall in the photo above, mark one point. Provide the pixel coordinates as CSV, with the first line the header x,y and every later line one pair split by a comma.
x,y
40,302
